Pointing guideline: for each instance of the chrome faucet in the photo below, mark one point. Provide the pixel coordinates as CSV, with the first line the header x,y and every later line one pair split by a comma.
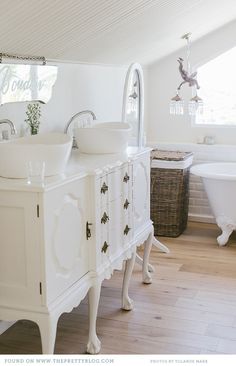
x,y
10,124
77,115
73,118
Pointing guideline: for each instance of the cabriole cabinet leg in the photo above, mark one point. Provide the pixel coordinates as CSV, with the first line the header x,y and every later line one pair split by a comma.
x,y
48,329
94,345
147,249
127,303
139,260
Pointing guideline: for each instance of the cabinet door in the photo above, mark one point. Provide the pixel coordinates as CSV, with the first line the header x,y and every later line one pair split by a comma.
x,y
66,246
141,191
19,248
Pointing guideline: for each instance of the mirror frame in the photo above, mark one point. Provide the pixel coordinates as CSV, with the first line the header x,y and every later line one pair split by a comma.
x,y
135,67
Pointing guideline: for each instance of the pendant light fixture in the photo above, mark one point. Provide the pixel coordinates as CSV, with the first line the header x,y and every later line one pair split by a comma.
x,y
195,104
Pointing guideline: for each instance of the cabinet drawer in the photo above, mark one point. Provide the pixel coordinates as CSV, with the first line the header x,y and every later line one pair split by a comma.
x,y
103,191
104,238
109,188
126,180
105,246
114,179
127,231
126,204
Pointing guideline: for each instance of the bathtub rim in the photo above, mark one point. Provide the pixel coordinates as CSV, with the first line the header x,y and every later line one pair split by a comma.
x,y
204,170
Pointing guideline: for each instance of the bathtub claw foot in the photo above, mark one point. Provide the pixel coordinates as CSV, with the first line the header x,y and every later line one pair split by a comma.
x,y
227,227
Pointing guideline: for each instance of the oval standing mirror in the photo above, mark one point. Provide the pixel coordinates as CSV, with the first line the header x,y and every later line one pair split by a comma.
x,y
133,103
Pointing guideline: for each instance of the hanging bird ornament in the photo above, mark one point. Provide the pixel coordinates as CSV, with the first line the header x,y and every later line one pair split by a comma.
x,y
195,104
187,77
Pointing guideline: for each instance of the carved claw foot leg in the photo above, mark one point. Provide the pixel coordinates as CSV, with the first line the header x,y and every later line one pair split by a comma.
x,y
160,246
139,260
151,269
127,303
163,248
93,345
147,279
227,227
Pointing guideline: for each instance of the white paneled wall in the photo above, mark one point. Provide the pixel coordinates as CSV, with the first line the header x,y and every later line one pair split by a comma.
x,y
199,209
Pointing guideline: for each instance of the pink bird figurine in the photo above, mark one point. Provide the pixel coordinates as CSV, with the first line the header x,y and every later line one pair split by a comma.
x,y
190,79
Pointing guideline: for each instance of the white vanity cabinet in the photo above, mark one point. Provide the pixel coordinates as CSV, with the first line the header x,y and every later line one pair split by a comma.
x,y
59,241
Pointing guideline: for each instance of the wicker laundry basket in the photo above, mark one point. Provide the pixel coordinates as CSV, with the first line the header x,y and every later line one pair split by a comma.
x,y
170,191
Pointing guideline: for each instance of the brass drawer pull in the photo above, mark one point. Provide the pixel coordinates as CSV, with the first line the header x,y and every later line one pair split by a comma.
x,y
104,247
88,230
127,229
126,204
126,178
104,188
104,218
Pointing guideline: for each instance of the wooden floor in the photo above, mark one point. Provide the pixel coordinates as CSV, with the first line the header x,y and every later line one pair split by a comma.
x,y
190,308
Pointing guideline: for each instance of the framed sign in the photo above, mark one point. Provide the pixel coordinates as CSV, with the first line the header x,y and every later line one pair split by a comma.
x,y
26,83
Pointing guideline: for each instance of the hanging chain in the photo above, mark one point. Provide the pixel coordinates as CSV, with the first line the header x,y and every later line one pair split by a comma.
x,y
188,55
23,58
187,38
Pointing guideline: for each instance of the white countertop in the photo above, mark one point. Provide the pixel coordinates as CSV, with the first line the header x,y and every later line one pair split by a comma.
x,y
79,165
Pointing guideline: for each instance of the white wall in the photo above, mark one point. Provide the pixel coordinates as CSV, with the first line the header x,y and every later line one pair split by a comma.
x,y
78,87
163,79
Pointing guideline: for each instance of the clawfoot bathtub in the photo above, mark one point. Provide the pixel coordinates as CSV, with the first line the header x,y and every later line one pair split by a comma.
x,y
219,180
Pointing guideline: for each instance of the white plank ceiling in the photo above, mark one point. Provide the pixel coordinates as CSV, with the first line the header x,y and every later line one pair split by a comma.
x,y
107,31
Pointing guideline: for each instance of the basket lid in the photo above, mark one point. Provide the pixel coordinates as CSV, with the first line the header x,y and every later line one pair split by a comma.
x,y
170,155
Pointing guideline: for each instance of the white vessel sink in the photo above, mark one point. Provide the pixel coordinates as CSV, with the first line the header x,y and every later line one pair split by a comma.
x,y
52,148
103,138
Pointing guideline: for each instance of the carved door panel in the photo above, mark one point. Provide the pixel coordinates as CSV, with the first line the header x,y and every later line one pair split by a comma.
x,y
19,247
66,245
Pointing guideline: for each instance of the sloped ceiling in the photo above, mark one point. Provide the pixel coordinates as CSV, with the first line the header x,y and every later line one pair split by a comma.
x,y
107,31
